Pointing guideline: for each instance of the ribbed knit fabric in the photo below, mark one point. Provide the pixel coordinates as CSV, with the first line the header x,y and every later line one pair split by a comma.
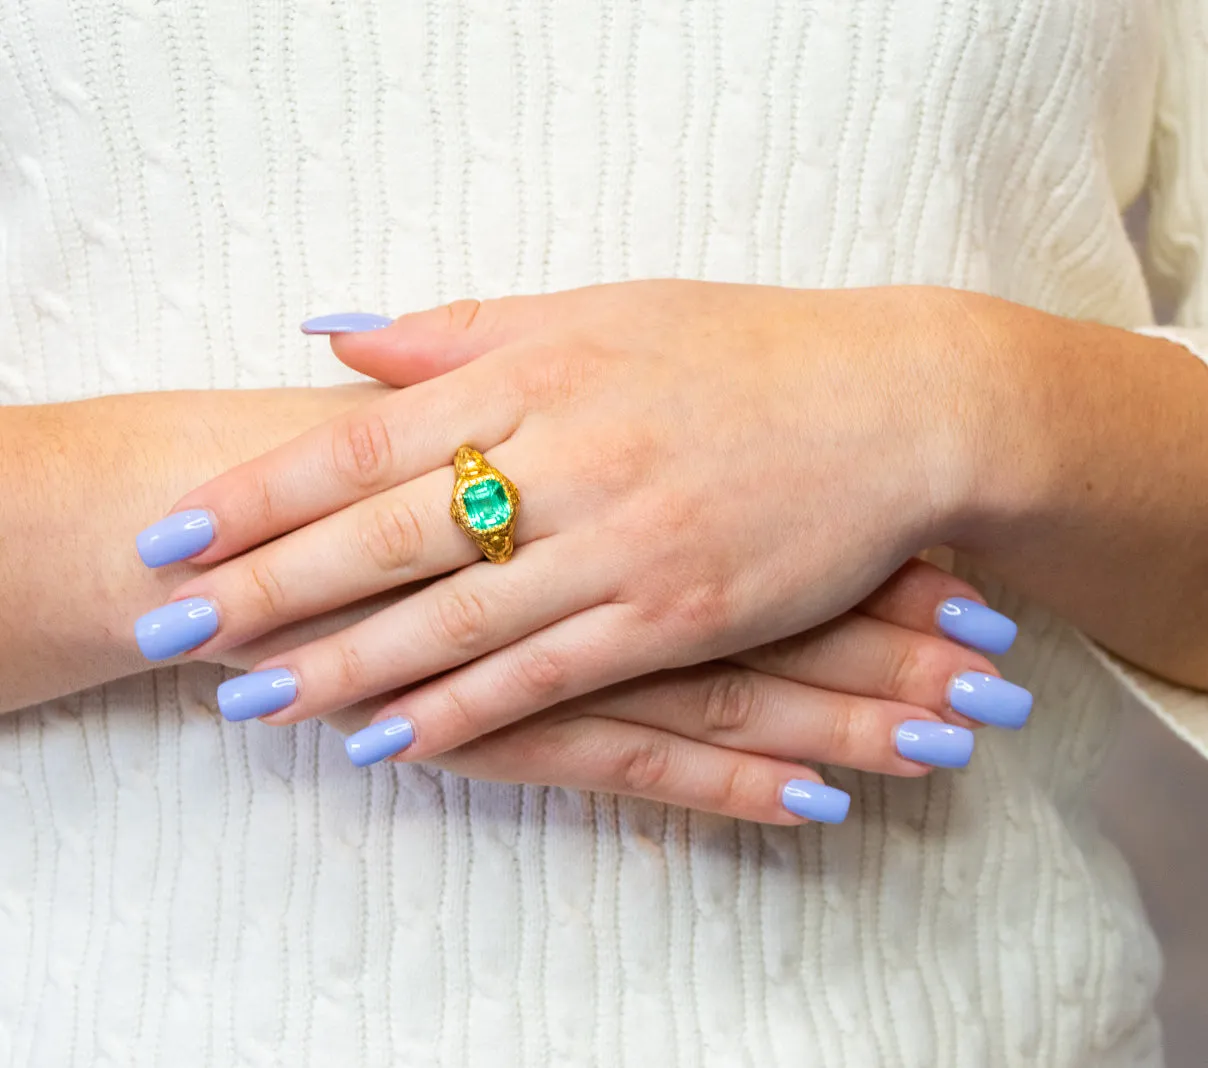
x,y
181,183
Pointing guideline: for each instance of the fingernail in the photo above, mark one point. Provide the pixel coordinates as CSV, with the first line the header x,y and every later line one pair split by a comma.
x,y
939,744
175,628
345,323
179,536
815,801
256,694
989,699
379,741
976,625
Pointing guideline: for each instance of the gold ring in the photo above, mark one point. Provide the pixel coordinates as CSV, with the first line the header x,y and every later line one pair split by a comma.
x,y
485,504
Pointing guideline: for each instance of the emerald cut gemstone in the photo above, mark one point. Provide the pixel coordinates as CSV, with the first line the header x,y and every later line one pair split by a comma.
x,y
487,505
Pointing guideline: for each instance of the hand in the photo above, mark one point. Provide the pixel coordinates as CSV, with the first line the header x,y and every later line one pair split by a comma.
x,y
872,690
704,469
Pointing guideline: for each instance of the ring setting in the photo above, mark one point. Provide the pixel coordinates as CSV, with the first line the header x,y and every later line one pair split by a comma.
x,y
485,504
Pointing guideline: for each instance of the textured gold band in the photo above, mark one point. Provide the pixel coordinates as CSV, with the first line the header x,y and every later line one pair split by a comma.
x,y
485,504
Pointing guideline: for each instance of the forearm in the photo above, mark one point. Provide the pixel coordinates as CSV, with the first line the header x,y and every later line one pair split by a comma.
x,y
77,483
1094,493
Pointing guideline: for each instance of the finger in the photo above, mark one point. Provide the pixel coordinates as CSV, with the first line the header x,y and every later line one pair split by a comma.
x,y
739,708
577,655
867,657
928,599
397,537
608,756
361,452
465,616
425,344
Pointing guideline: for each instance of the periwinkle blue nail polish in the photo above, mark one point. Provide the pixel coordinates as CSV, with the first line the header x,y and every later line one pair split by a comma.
x,y
379,741
989,699
176,537
345,323
175,628
256,694
815,801
941,745
976,625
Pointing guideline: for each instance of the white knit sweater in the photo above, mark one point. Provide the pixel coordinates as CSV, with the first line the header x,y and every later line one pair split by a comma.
x,y
181,183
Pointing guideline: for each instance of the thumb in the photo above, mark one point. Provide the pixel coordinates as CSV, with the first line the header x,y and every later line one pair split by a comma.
x,y
423,345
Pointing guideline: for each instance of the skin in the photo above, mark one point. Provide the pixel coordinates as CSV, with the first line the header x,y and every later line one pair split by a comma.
x,y
79,481
1067,457
720,736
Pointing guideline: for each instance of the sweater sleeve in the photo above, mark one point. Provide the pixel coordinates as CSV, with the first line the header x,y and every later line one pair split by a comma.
x,y
1177,261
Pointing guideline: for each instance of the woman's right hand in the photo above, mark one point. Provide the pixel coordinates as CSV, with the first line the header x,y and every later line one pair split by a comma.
x,y
880,689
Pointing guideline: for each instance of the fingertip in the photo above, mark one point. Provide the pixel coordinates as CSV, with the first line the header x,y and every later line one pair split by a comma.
x,y
402,354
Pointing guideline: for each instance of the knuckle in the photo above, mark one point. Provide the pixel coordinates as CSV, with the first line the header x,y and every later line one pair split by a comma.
x,y
461,618
644,768
730,792
457,717
392,536
704,610
855,736
265,507
558,376
270,593
731,702
841,737
624,461
351,672
363,451
462,313
539,672
903,661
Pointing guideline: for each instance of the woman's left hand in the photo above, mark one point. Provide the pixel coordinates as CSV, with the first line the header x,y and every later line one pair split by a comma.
x,y
703,468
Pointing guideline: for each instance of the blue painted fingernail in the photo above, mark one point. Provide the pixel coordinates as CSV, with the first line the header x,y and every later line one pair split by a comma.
x,y
939,744
256,694
179,536
989,699
976,625
345,323
815,801
379,741
175,628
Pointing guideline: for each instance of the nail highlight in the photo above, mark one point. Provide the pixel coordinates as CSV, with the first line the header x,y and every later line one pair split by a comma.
x,y
379,741
177,537
815,801
256,694
345,323
974,624
989,699
175,628
941,745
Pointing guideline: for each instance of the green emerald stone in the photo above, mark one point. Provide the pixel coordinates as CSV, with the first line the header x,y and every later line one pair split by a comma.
x,y
487,504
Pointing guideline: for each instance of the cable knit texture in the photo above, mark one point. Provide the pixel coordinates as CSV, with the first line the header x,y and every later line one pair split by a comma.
x,y
181,183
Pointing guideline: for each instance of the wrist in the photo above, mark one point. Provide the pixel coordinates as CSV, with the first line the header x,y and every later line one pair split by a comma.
x,y
1017,390
957,389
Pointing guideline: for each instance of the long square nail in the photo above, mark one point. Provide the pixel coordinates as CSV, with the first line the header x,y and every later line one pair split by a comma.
x,y
940,745
256,694
815,801
976,625
176,537
175,628
379,741
989,699
345,323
